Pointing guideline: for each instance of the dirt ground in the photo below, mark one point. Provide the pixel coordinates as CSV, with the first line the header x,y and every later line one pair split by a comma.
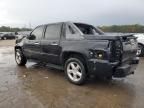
x,y
36,86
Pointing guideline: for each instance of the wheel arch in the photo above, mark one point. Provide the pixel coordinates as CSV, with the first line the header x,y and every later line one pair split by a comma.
x,y
67,54
141,43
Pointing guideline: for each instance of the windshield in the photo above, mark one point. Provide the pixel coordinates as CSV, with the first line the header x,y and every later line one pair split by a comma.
x,y
88,29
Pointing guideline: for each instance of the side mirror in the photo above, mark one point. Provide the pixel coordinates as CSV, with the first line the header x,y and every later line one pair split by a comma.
x,y
31,37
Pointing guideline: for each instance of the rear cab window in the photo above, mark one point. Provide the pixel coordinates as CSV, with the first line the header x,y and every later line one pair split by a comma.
x,y
88,29
71,32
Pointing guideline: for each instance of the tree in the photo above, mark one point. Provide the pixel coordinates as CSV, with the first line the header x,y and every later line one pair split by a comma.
x,y
9,29
124,28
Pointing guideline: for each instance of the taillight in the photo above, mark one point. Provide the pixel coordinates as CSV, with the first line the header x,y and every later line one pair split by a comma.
x,y
118,50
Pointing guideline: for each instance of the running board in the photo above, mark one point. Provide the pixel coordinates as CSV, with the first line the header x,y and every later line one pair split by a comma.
x,y
55,66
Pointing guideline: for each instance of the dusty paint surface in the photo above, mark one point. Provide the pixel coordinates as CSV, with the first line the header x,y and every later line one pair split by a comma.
x,y
37,86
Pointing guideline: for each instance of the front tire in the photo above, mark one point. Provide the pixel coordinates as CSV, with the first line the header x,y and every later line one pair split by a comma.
x,y
75,71
140,51
20,58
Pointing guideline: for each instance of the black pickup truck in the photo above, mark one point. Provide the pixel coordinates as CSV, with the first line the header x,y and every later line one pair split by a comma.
x,y
80,50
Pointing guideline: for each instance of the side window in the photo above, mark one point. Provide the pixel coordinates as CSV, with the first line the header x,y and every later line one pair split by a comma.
x,y
71,33
69,30
53,31
37,33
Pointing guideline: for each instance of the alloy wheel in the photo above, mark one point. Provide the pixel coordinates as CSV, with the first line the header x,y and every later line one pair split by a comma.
x,y
18,57
74,71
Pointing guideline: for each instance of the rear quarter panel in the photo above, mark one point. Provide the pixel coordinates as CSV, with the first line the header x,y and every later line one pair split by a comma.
x,y
83,46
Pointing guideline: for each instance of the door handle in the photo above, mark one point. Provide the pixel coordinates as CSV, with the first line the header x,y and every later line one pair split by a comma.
x,y
36,43
53,43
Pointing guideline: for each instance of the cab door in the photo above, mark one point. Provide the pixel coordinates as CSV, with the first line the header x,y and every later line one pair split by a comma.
x,y
51,48
32,46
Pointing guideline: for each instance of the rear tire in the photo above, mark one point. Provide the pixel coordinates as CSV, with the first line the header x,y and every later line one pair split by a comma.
x,y
20,58
75,70
140,51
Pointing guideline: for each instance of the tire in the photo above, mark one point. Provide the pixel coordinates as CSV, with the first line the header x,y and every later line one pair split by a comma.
x,y
75,70
20,58
140,51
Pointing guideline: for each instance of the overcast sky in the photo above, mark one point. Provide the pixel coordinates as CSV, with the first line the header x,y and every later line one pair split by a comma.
x,y
22,13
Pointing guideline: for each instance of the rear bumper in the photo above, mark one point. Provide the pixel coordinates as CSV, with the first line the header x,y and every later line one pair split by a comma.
x,y
106,68
126,69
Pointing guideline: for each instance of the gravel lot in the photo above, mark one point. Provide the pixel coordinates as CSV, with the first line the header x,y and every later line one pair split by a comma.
x,y
37,86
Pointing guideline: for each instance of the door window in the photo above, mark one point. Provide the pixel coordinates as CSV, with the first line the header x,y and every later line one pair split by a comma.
x,y
37,33
53,32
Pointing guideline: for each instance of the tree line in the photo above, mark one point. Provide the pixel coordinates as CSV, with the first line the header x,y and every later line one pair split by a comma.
x,y
124,28
10,29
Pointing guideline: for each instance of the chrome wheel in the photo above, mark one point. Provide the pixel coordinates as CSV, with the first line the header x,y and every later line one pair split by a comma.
x,y
74,71
18,57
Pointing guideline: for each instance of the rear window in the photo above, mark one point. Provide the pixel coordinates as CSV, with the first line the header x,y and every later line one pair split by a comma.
x,y
88,29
